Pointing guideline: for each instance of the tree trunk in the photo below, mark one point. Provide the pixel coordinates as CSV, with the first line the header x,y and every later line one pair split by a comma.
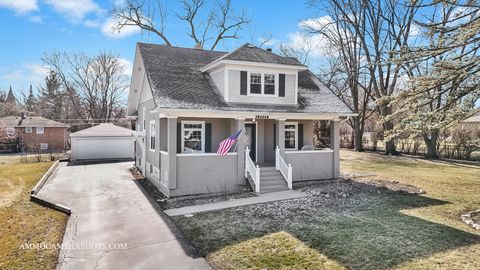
x,y
431,143
358,131
390,148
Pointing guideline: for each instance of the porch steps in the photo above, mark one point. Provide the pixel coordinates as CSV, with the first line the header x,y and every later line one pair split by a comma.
x,y
271,180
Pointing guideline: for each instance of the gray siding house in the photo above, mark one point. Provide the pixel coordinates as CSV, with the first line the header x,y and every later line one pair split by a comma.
x,y
186,101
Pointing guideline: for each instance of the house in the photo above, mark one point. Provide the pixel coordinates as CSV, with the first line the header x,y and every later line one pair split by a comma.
x,y
103,141
34,132
186,101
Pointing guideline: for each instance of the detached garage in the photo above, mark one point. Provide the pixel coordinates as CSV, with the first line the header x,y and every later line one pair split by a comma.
x,y
104,141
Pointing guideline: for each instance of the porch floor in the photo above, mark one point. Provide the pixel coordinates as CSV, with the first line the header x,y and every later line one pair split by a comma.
x,y
265,164
261,198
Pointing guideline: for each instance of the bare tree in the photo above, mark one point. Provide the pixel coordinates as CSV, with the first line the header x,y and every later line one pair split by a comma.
x,y
95,85
373,33
207,22
443,72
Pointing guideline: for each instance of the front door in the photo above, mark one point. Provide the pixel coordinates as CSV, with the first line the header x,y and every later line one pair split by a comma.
x,y
251,140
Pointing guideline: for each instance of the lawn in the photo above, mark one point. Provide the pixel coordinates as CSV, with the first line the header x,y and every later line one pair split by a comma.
x,y
22,221
352,224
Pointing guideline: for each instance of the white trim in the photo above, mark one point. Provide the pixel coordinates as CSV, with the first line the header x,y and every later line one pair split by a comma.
x,y
41,128
262,84
326,150
182,147
150,135
296,135
256,138
226,89
249,63
200,154
296,89
174,113
28,128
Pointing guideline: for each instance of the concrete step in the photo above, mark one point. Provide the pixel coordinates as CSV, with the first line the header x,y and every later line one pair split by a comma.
x,y
272,189
267,169
275,173
270,177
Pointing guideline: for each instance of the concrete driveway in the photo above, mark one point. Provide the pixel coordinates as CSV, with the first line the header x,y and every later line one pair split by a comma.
x,y
113,224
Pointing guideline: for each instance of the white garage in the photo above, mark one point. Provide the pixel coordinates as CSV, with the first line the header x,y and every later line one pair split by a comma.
x,y
104,141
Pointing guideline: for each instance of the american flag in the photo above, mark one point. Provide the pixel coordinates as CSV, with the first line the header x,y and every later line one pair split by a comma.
x,y
226,144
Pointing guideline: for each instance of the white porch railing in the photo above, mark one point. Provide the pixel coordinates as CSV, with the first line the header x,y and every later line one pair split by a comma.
x,y
285,170
252,169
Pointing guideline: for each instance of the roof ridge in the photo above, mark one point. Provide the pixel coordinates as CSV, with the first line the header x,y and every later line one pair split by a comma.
x,y
178,47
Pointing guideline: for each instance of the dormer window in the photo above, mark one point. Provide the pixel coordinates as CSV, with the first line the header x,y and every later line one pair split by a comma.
x,y
262,83
255,83
269,84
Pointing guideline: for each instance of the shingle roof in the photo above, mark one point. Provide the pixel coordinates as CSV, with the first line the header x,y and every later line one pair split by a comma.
x,y
248,52
30,121
103,130
177,82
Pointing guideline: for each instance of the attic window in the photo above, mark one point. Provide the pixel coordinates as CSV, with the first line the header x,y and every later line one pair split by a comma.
x,y
262,83
255,83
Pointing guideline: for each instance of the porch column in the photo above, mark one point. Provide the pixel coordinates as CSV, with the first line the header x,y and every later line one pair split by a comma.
x,y
240,124
281,136
335,146
172,151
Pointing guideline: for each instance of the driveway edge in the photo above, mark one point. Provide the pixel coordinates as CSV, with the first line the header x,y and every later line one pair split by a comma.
x,y
44,178
41,201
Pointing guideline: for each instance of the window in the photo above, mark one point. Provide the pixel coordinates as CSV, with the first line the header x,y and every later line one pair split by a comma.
x,y
44,146
40,130
269,84
152,135
192,136
291,136
10,131
262,83
28,130
255,83
151,169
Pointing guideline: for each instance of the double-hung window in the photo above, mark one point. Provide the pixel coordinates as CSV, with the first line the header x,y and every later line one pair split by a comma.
x,y
28,130
291,133
193,136
262,83
255,83
40,130
269,84
152,135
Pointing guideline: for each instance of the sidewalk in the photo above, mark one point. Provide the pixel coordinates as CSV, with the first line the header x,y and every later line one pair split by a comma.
x,y
261,198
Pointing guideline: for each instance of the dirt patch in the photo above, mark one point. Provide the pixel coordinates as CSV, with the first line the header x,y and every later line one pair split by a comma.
x,y
189,200
137,175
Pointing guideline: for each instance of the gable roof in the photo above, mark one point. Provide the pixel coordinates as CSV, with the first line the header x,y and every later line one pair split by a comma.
x,y
30,121
473,119
248,52
104,130
176,82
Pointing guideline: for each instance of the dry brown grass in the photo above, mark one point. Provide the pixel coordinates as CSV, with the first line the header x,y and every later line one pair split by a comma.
x,y
370,228
22,221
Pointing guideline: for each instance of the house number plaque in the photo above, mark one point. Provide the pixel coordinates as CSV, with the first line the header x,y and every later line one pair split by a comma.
x,y
261,116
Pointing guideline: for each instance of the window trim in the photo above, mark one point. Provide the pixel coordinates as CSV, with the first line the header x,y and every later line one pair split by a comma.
x,y
28,128
43,148
262,84
42,129
152,135
296,135
182,136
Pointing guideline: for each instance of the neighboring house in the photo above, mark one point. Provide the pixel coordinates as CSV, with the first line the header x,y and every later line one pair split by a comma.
x,y
186,101
34,132
473,120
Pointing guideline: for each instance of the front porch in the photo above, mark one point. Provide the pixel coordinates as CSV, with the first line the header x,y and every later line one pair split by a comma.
x,y
188,163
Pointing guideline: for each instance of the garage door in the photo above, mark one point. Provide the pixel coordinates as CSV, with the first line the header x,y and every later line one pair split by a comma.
x,y
103,148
